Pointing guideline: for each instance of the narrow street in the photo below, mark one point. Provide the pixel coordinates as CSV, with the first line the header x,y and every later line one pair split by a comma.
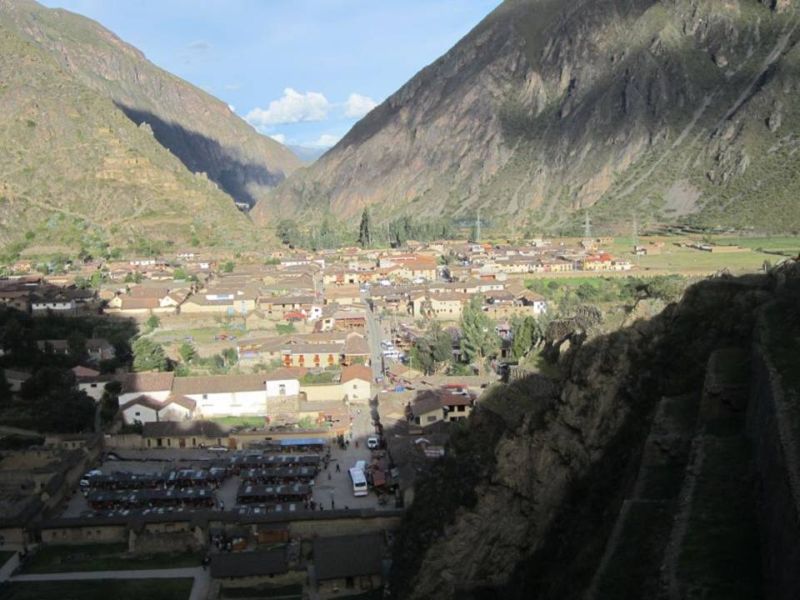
x,y
374,338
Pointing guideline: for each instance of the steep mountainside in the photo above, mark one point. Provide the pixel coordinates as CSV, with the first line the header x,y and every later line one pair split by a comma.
x,y
79,161
196,127
666,465
672,109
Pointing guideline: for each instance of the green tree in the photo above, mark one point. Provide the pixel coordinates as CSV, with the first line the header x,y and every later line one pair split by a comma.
x,y
180,274
109,402
231,356
153,322
288,232
228,266
76,342
96,280
187,352
479,339
526,335
148,356
54,402
364,237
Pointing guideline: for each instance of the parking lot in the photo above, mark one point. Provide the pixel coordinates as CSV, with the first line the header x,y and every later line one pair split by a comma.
x,y
332,487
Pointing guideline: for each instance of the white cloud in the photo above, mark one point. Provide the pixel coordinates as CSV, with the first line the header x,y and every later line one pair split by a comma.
x,y
292,107
278,137
326,140
231,108
357,106
199,46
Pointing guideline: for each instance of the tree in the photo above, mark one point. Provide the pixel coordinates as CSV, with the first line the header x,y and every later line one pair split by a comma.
x,y
148,356
76,342
231,356
153,322
109,402
187,352
526,335
478,336
180,274
364,237
288,232
54,402
228,266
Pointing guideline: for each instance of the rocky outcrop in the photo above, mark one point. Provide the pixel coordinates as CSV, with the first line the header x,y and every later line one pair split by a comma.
x,y
556,485
774,426
548,107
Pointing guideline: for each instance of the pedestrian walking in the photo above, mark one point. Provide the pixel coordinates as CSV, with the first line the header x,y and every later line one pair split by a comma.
x,y
338,469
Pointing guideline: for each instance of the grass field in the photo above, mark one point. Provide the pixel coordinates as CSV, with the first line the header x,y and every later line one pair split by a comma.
x,y
101,557
4,556
118,589
239,421
687,261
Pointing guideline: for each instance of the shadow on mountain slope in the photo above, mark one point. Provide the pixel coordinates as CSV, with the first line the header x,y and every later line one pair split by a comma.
x,y
201,154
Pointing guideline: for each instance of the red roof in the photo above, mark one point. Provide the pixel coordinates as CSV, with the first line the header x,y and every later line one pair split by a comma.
x,y
356,372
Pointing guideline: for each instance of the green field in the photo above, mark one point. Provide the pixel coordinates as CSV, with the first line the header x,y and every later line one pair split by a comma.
x,y
239,421
101,557
787,245
688,261
101,589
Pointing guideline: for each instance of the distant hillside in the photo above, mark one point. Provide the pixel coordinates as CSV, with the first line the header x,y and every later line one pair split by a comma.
x,y
685,110
99,144
308,154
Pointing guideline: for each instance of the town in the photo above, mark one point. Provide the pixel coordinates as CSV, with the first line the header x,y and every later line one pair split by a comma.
x,y
254,419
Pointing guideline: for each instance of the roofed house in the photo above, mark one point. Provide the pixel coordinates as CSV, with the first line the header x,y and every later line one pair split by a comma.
x,y
156,385
284,381
352,563
356,381
253,568
427,408
356,349
184,434
225,395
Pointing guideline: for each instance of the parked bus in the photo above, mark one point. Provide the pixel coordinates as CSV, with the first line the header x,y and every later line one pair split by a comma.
x,y
359,482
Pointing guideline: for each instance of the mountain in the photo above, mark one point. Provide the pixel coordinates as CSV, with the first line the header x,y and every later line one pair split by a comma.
x,y
661,463
670,110
307,154
100,144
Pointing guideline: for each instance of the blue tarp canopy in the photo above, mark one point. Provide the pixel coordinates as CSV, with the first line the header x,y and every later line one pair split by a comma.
x,y
303,442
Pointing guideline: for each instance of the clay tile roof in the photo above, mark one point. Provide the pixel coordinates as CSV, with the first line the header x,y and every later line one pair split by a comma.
x,y
147,382
356,372
181,401
143,400
285,373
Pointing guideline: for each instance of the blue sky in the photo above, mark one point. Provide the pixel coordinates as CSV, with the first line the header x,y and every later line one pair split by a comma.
x,y
302,71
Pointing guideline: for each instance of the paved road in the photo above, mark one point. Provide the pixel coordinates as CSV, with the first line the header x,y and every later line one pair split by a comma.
x,y
374,337
200,588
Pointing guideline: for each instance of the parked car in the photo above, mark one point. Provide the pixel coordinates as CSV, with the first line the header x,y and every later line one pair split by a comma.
x,y
373,442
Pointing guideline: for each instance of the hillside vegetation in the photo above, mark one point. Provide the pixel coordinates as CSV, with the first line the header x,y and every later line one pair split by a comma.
x,y
102,148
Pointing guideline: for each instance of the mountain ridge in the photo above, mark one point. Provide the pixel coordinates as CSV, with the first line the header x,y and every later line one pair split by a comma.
x,y
543,110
